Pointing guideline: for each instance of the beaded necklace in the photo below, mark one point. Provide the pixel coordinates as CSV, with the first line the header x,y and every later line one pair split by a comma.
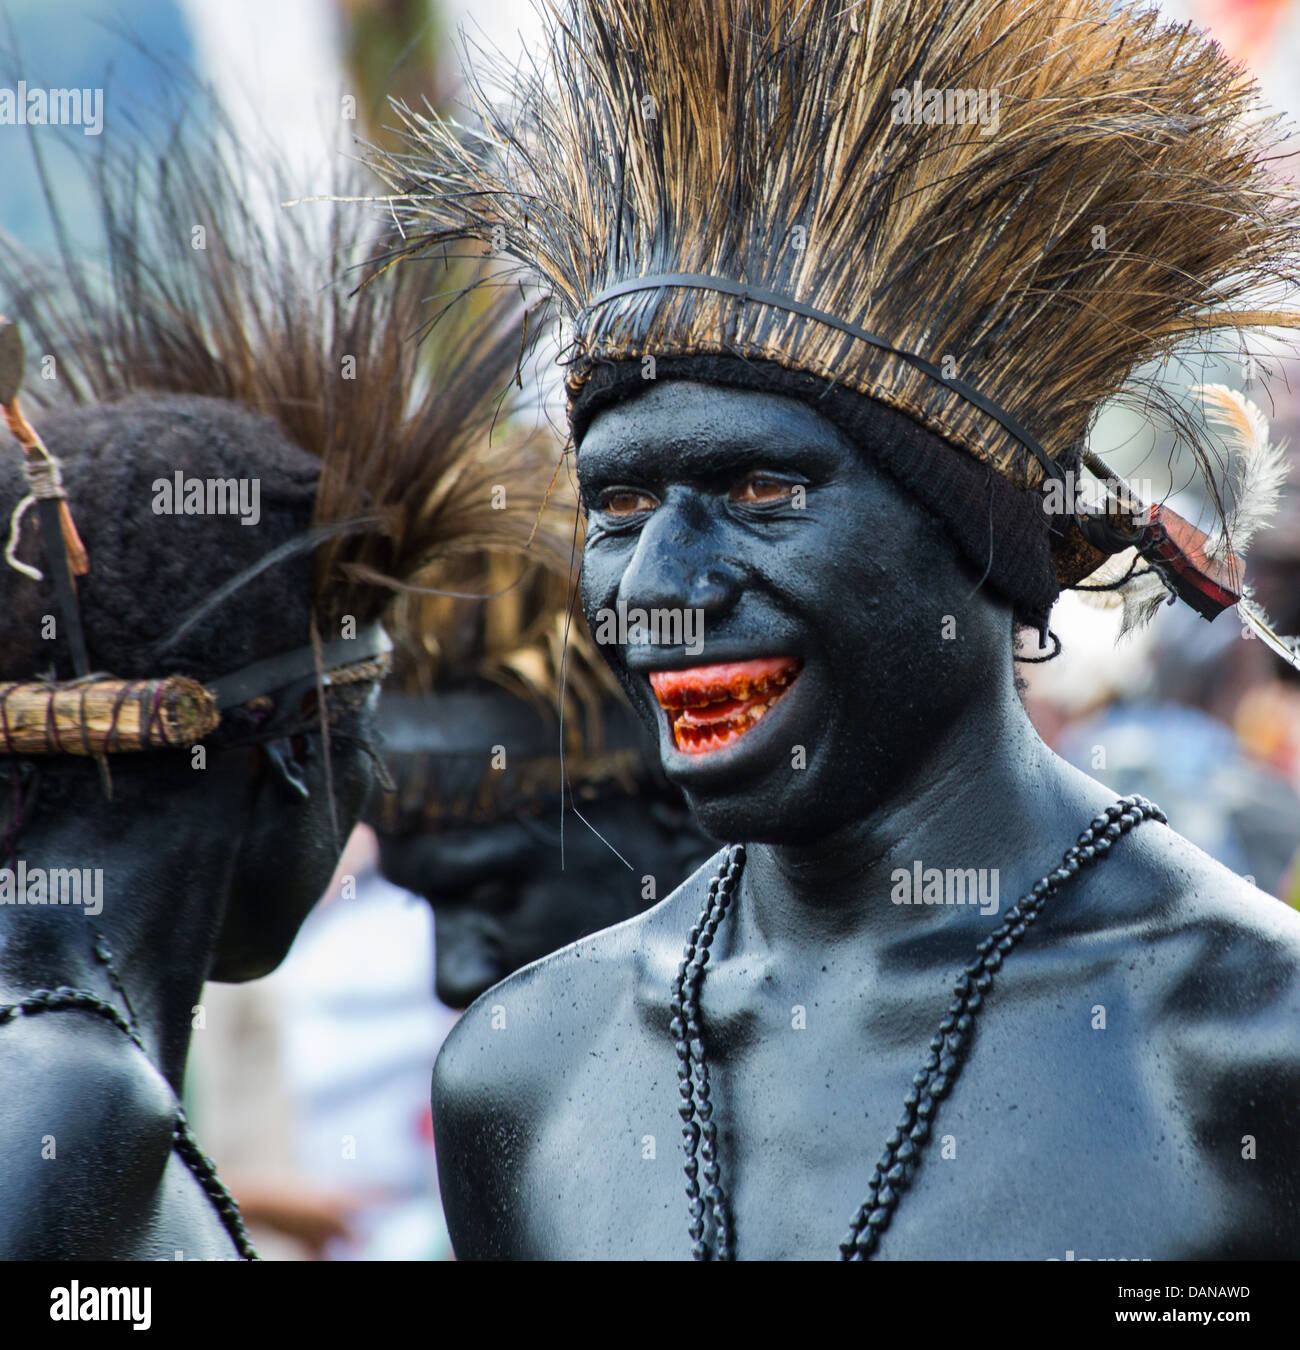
x,y
948,1047
64,999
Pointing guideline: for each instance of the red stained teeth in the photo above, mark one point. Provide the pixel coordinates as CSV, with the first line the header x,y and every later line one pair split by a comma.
x,y
735,681
711,706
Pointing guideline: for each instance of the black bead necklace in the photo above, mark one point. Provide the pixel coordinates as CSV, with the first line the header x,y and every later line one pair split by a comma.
x,y
66,999
707,1201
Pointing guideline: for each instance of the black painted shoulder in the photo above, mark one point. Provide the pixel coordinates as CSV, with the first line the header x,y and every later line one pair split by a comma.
x,y
1215,964
85,1137
509,1057
493,1051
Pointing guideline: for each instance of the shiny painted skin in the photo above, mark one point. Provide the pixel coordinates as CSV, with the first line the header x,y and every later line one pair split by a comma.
x,y
507,893
555,1098
205,876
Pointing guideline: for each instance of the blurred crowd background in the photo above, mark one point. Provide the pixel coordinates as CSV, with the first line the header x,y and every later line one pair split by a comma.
x,y
310,1088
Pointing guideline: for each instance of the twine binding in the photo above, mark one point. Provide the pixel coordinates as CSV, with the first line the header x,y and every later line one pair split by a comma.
x,y
104,716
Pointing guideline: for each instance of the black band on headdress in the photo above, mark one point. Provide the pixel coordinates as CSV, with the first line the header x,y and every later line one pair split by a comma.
x,y
762,296
278,672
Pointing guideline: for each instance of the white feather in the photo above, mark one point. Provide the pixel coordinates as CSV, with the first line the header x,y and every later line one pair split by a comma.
x,y
1254,614
1107,574
1258,468
1143,597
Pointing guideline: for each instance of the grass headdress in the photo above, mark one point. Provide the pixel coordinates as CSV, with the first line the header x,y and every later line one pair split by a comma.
x,y
211,291
957,228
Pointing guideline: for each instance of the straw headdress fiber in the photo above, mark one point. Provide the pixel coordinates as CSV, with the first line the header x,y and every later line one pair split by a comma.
x,y
215,298
518,672
981,217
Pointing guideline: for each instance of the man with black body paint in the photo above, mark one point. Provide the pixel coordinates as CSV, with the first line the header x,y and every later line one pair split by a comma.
x,y
822,372
212,848
1133,1139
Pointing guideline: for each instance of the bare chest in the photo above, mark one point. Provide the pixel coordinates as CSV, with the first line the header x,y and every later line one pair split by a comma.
x,y
1059,1135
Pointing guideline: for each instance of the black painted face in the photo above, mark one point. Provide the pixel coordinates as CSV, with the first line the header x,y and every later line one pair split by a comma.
x,y
501,899
840,632
290,852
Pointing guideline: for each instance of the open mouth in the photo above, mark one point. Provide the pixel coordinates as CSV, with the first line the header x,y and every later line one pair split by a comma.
x,y
710,707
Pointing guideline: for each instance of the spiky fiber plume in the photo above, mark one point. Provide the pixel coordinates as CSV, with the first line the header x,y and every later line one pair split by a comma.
x,y
1122,203
267,313
512,622
527,637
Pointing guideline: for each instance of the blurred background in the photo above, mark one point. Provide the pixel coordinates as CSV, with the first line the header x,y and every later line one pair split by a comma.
x,y
310,1088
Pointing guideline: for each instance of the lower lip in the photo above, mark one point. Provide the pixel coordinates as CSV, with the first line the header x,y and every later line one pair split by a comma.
x,y
716,723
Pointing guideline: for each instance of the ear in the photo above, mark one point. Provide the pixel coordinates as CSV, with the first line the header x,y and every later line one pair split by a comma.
x,y
288,766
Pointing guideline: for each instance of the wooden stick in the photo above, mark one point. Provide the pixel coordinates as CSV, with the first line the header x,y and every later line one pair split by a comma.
x,y
27,437
11,380
108,716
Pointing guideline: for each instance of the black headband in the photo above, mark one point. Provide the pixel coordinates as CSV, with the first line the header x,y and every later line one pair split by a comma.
x,y
279,672
758,294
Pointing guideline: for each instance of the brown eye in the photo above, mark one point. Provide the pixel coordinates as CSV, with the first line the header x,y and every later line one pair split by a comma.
x,y
761,487
626,502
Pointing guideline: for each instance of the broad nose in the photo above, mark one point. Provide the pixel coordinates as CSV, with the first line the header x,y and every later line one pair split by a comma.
x,y
679,562
467,957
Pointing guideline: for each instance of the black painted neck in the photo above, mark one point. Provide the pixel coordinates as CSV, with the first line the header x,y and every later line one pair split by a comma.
x,y
161,876
986,788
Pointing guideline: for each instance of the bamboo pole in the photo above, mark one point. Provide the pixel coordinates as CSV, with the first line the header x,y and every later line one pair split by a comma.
x,y
107,716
